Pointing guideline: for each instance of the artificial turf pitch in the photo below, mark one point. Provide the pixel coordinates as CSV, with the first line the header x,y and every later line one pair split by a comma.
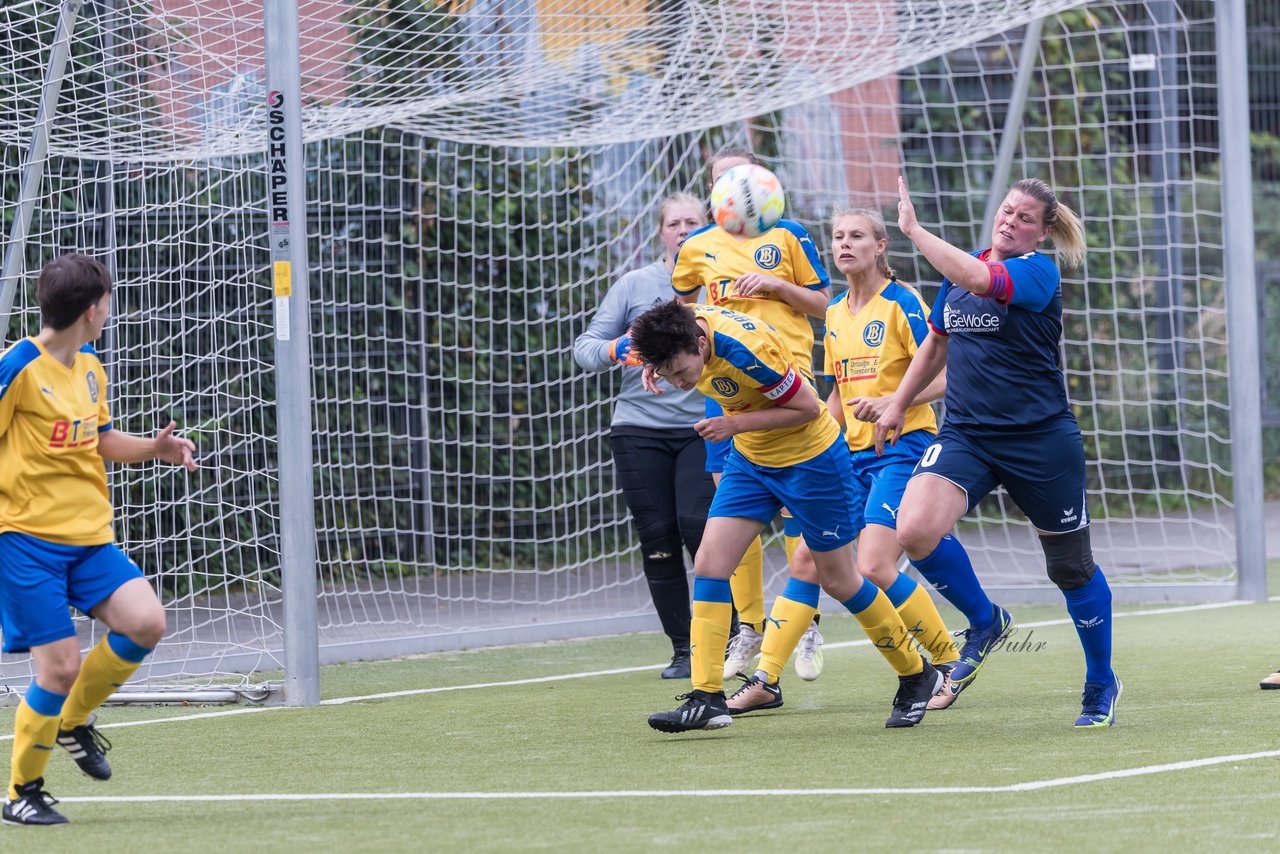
x,y
489,768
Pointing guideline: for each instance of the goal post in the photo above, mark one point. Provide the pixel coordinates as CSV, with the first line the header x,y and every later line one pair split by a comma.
x,y
1242,302
420,459
37,153
291,289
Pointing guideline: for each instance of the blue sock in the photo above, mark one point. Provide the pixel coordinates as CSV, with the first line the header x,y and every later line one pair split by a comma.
x,y
1090,610
804,592
901,590
860,601
707,589
950,571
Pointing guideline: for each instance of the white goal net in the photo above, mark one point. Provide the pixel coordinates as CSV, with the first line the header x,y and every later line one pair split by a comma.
x,y
479,172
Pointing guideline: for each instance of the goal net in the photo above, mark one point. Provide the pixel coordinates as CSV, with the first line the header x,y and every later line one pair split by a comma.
x,y
478,173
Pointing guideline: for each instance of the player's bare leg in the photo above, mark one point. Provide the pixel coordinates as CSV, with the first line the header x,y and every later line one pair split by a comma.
x,y
36,728
724,541
136,621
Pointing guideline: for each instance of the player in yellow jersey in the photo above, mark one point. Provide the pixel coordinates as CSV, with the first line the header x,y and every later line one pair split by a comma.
x,y
872,331
787,451
776,277
57,544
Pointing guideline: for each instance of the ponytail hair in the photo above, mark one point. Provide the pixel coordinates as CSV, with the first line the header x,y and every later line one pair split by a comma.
x,y
1064,225
878,231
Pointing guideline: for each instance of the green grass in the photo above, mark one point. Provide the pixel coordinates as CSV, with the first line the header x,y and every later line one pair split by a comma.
x,y
1190,692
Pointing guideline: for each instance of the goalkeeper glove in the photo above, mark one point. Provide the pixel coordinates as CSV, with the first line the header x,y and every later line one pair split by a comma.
x,y
620,351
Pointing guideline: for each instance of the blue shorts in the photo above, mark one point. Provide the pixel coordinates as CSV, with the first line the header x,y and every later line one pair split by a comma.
x,y
880,481
39,579
717,452
818,492
1042,469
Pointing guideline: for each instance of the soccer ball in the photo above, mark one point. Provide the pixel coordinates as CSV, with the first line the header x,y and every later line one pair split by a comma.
x,y
747,200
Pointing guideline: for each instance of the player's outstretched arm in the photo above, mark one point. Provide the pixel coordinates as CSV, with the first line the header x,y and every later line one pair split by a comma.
x,y
120,447
929,361
960,267
934,390
869,409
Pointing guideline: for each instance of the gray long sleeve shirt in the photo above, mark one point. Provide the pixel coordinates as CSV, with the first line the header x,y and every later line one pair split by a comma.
x,y
630,297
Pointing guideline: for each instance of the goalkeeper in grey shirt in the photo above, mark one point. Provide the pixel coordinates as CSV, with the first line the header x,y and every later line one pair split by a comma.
x,y
659,459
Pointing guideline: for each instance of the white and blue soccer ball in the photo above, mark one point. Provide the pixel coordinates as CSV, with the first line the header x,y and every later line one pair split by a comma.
x,y
747,200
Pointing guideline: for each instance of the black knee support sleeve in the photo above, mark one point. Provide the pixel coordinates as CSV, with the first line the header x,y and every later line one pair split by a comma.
x,y
1069,558
660,549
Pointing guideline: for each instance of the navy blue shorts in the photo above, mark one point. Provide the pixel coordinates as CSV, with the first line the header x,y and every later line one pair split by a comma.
x,y
818,492
39,579
1041,467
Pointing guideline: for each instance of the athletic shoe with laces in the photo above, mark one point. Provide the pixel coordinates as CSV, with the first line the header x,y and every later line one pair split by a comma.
x,y
1098,706
977,645
755,695
912,699
1272,682
87,747
946,695
33,806
702,710
679,667
743,648
809,654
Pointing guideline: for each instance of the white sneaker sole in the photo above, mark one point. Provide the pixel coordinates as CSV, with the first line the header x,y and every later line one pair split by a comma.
x,y
736,666
809,669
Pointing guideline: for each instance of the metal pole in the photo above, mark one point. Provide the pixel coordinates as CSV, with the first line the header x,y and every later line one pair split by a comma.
x,y
1012,128
286,200
1242,300
15,253
105,191
1160,144
424,365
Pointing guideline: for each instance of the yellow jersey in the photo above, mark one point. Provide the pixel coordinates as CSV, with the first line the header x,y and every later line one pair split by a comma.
x,y
53,482
712,258
868,353
748,368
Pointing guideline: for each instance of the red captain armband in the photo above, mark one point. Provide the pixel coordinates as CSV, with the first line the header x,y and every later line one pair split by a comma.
x,y
784,389
1001,289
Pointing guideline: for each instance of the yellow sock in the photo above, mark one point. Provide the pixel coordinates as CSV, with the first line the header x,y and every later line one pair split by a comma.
x,y
883,624
107,666
790,533
923,621
790,542
747,583
709,632
35,731
792,613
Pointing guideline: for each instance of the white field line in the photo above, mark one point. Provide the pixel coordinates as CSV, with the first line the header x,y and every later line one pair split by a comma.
x,y
1066,621
1031,786
564,677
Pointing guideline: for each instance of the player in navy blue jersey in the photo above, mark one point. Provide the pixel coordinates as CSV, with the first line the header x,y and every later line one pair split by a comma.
x,y
996,326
